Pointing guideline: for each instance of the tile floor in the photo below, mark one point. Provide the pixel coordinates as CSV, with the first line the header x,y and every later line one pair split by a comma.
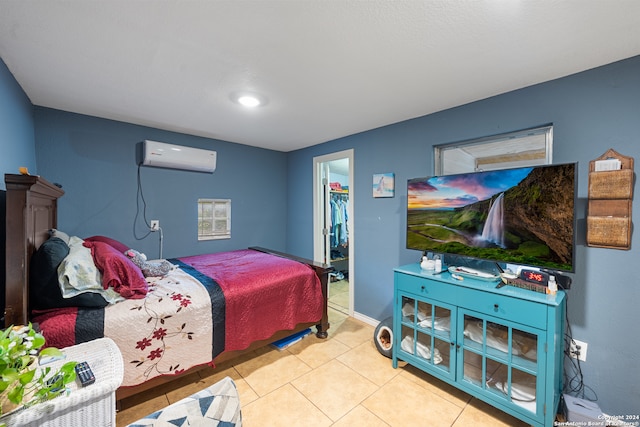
x,y
340,381
339,296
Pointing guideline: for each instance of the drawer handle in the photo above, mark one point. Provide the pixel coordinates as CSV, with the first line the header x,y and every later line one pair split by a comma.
x,y
495,307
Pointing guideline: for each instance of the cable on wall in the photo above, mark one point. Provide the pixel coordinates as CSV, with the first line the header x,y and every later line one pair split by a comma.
x,y
573,377
140,199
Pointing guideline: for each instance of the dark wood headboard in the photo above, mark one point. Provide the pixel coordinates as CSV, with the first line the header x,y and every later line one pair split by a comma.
x,y
31,211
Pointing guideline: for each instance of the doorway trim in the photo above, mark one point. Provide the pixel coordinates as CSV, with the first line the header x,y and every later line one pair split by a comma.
x,y
318,212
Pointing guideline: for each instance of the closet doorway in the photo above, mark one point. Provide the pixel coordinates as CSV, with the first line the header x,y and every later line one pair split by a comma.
x,y
334,224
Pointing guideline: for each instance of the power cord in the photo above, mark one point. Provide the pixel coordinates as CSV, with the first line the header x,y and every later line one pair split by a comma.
x,y
140,197
573,377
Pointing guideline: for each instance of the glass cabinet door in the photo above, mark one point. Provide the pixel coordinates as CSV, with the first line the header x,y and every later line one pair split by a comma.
x,y
501,358
426,333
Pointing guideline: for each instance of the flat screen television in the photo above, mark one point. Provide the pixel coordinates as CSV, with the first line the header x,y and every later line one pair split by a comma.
x,y
523,216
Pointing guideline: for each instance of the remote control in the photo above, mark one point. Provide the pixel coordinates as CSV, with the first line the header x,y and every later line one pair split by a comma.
x,y
52,381
84,374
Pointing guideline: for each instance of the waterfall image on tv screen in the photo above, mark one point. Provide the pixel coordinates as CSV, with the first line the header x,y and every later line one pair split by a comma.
x,y
518,216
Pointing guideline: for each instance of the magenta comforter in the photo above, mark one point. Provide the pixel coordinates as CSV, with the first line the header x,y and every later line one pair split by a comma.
x,y
263,293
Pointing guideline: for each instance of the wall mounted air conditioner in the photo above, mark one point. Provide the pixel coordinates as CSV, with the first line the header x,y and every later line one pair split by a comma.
x,y
162,155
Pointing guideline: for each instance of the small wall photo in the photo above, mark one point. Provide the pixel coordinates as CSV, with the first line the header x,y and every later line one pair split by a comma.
x,y
383,185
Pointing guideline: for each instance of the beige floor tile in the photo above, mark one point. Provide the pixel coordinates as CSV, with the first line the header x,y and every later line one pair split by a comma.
x,y
161,395
480,414
271,370
402,402
339,295
353,332
336,318
360,417
245,392
340,301
200,380
368,362
436,386
334,388
285,407
213,375
140,408
316,352
176,387
338,287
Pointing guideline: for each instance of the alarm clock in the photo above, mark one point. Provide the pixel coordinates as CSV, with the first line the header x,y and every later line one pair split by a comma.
x,y
535,276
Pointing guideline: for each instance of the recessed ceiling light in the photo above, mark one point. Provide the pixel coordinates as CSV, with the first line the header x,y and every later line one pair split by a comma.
x,y
248,99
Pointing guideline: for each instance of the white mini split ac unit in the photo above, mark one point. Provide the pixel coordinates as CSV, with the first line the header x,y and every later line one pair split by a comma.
x,y
162,155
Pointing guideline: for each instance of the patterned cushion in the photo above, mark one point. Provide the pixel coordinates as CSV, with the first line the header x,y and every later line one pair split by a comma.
x,y
217,405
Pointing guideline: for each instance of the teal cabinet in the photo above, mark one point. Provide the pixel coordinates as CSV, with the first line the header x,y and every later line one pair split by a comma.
x,y
501,345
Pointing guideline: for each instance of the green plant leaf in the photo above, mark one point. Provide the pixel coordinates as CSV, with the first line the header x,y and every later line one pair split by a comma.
x,y
38,341
68,372
45,371
5,333
10,375
27,377
16,394
23,361
22,380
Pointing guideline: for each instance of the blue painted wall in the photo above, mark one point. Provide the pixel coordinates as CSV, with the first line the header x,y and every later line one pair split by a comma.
x,y
95,161
16,146
591,112
16,127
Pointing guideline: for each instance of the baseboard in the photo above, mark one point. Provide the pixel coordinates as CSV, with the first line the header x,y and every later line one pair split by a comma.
x,y
366,319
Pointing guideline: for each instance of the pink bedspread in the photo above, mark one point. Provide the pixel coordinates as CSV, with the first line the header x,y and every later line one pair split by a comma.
x,y
263,293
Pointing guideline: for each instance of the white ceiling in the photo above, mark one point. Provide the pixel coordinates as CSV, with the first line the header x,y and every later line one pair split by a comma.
x,y
328,68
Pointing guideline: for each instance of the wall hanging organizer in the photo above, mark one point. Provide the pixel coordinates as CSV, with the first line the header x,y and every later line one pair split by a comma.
x,y
611,180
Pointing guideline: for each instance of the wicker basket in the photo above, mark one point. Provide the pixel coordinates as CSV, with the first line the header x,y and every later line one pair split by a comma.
x,y
94,405
608,232
610,201
611,184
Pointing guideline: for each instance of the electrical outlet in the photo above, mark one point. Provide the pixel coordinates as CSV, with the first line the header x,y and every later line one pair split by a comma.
x,y
578,350
155,225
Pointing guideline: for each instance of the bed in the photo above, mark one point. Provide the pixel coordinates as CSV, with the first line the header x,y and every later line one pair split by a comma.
x,y
208,309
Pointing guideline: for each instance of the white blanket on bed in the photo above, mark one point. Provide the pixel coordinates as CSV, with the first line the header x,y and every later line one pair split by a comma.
x,y
156,333
77,273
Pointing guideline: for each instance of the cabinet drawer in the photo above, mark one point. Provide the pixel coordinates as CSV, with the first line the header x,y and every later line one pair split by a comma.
x,y
508,308
426,288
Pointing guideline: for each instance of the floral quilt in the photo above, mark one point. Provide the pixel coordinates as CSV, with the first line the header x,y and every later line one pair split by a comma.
x,y
155,333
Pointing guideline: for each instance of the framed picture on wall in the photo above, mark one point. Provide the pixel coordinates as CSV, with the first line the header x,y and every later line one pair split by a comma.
x,y
383,185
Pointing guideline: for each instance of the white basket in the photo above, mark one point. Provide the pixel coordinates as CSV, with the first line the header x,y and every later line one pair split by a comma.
x,y
93,405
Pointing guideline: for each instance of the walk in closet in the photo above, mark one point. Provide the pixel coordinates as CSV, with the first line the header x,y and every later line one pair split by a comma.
x,y
339,232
